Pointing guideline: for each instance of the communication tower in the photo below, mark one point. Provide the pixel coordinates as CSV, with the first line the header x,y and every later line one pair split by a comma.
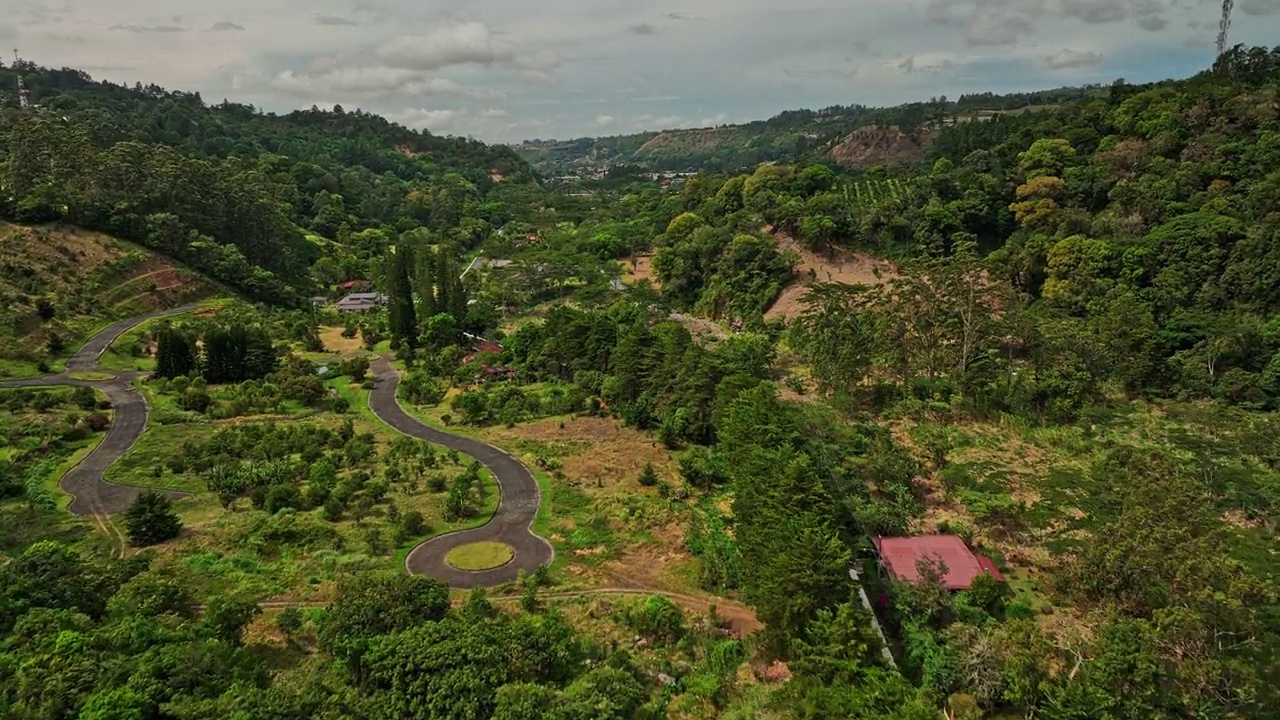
x,y
23,101
1224,25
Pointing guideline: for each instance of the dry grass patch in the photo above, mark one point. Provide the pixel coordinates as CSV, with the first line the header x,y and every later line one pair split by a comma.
x,y
331,338
599,454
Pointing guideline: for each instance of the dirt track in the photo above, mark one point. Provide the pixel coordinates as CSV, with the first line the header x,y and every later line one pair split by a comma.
x,y
517,504
91,494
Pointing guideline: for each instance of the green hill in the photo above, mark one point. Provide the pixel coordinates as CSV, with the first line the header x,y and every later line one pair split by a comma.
x,y
61,283
234,192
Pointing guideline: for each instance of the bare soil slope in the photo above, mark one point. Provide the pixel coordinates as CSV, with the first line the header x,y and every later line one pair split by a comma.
x,y
877,145
687,142
840,266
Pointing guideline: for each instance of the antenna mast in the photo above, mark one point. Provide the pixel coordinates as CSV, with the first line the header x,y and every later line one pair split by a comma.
x,y
23,102
1224,25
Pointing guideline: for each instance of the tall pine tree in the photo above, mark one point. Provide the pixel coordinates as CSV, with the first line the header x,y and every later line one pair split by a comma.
x,y
404,320
793,562
425,279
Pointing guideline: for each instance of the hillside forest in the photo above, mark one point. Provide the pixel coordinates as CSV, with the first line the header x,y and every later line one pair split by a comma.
x,y
1062,346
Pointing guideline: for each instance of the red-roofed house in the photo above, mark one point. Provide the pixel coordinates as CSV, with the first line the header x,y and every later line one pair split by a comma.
x,y
900,558
355,285
481,346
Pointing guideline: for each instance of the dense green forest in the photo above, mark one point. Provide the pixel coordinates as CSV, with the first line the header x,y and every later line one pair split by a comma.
x,y
253,199
1074,365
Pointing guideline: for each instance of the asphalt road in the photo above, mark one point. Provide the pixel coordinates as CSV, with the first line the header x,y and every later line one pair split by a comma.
x,y
517,504
86,358
91,494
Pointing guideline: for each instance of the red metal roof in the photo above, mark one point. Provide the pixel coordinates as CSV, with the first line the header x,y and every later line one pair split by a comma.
x,y
901,556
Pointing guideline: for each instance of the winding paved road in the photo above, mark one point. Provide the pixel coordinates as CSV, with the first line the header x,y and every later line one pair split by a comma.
x,y
91,494
517,504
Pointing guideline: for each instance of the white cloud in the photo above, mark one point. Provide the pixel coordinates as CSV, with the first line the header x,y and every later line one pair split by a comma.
x,y
1258,7
605,120
458,44
1073,59
372,82
458,120
335,21
437,121
148,28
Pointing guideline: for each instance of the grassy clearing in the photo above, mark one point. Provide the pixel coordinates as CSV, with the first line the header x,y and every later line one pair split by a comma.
x,y
484,555
334,343
152,463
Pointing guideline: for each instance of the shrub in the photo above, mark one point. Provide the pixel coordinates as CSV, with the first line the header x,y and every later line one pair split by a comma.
x,y
83,398
648,476
45,309
658,618
150,519
357,367
290,621
412,525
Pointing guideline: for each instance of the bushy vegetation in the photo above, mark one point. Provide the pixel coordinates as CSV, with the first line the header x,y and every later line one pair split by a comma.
x,y
41,429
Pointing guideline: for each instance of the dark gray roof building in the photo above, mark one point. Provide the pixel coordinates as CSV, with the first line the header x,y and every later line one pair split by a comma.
x,y
361,302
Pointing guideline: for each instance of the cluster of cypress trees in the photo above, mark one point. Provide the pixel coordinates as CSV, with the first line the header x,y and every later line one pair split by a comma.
x,y
422,283
229,354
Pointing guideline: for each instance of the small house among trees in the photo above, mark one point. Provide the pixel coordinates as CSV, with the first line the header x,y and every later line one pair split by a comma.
x,y
362,302
901,558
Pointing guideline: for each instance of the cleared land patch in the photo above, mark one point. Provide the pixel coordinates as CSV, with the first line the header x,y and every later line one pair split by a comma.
x,y
639,269
842,266
59,285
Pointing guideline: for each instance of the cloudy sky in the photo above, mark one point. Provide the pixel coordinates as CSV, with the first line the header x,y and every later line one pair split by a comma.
x,y
507,70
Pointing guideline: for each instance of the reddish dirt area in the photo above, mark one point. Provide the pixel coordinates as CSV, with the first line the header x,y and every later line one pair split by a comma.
x,y
838,266
876,145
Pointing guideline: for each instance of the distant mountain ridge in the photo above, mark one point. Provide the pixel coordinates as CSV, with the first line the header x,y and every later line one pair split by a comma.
x,y
798,135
